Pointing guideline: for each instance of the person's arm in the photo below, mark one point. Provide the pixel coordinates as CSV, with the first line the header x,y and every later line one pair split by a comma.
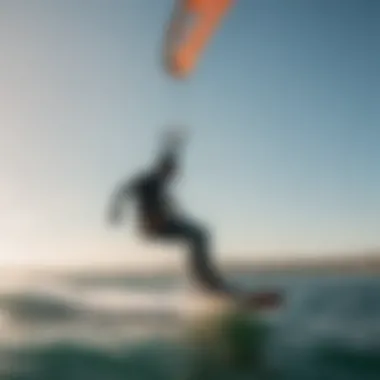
x,y
116,210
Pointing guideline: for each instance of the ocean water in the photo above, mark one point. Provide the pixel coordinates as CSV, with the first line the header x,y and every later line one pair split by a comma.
x,y
119,328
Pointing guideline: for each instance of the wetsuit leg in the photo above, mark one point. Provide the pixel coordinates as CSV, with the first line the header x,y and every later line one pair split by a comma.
x,y
197,239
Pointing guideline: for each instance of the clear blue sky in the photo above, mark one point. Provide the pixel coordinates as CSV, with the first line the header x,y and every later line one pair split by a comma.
x,y
284,111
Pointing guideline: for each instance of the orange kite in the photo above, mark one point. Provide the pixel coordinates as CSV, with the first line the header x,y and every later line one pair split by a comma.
x,y
190,29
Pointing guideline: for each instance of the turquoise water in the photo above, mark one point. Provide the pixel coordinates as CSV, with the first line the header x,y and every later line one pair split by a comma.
x,y
115,329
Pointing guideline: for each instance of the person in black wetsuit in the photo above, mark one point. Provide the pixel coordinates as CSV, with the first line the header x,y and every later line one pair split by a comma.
x,y
158,220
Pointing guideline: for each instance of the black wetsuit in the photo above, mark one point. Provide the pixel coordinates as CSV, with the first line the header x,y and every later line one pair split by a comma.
x,y
150,191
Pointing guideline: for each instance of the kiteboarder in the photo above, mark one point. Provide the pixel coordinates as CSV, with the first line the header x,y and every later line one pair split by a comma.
x,y
160,220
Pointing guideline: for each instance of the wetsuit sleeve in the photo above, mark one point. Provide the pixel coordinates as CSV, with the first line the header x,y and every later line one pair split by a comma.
x,y
121,194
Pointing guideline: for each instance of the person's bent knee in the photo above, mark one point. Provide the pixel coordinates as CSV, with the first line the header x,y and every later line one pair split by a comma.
x,y
201,229
200,234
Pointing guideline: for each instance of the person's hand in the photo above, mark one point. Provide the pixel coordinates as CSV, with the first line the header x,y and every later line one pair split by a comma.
x,y
154,222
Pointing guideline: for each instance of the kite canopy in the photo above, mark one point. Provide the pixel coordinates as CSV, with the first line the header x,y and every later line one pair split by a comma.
x,y
190,29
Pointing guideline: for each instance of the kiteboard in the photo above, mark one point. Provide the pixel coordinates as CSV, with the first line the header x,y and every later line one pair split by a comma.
x,y
261,301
